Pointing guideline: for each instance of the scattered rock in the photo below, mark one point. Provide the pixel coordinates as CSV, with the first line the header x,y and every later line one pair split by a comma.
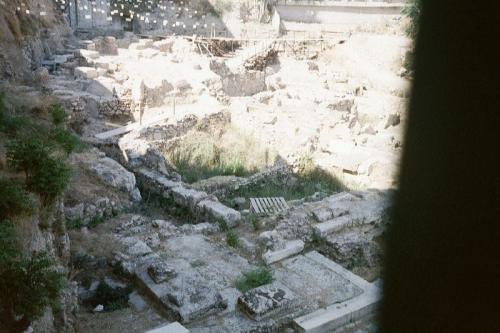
x,y
160,272
99,308
393,119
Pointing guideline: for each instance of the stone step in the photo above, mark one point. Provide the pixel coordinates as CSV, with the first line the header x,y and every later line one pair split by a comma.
x,y
339,315
291,248
331,226
170,328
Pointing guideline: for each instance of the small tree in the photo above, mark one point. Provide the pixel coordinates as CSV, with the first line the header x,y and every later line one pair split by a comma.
x,y
51,179
27,283
46,173
14,200
58,114
68,141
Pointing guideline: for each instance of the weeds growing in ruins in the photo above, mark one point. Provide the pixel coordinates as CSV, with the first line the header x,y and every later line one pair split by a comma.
x,y
308,180
232,238
200,155
254,278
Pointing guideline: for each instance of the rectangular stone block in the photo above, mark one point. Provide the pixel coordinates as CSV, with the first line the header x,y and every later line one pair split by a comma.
x,y
219,211
86,73
187,197
335,225
266,301
291,248
338,315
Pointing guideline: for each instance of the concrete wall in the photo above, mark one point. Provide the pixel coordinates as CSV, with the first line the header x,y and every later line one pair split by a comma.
x,y
336,12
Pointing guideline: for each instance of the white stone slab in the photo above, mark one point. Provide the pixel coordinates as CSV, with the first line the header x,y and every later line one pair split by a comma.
x,y
220,211
291,248
170,328
86,73
187,197
328,227
338,315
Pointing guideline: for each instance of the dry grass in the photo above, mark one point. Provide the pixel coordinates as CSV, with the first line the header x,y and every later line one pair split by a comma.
x,y
201,155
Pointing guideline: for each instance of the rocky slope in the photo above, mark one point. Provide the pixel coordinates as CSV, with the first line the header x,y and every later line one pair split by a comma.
x,y
30,31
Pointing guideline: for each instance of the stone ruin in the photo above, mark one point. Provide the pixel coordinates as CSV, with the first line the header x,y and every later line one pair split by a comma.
x,y
134,97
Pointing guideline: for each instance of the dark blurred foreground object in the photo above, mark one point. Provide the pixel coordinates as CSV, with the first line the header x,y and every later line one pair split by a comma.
x,y
443,267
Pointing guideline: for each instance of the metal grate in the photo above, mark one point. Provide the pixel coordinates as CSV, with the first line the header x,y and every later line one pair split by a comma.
x,y
268,205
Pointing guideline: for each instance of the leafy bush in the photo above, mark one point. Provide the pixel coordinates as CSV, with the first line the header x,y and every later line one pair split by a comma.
x,y
27,152
255,278
46,173
50,179
28,283
412,10
14,200
67,140
232,238
58,115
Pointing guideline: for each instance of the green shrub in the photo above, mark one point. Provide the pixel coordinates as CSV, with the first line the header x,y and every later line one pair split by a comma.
x,y
232,238
412,10
67,140
255,278
58,115
50,179
27,152
14,200
28,283
46,174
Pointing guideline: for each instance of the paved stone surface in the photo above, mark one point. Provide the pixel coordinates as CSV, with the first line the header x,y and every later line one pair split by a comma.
x,y
315,282
340,313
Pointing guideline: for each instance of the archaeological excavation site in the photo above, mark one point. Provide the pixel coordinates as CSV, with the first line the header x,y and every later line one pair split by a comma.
x,y
203,166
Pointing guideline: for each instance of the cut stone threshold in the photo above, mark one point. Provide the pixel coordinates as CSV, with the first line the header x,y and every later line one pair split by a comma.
x,y
174,327
337,316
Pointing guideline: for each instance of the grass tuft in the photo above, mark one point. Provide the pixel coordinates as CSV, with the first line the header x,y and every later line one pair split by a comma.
x,y
253,279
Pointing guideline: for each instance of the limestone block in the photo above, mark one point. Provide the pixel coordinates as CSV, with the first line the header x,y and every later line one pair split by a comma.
x,y
88,54
86,73
291,248
220,211
265,301
335,225
113,173
187,197
160,271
